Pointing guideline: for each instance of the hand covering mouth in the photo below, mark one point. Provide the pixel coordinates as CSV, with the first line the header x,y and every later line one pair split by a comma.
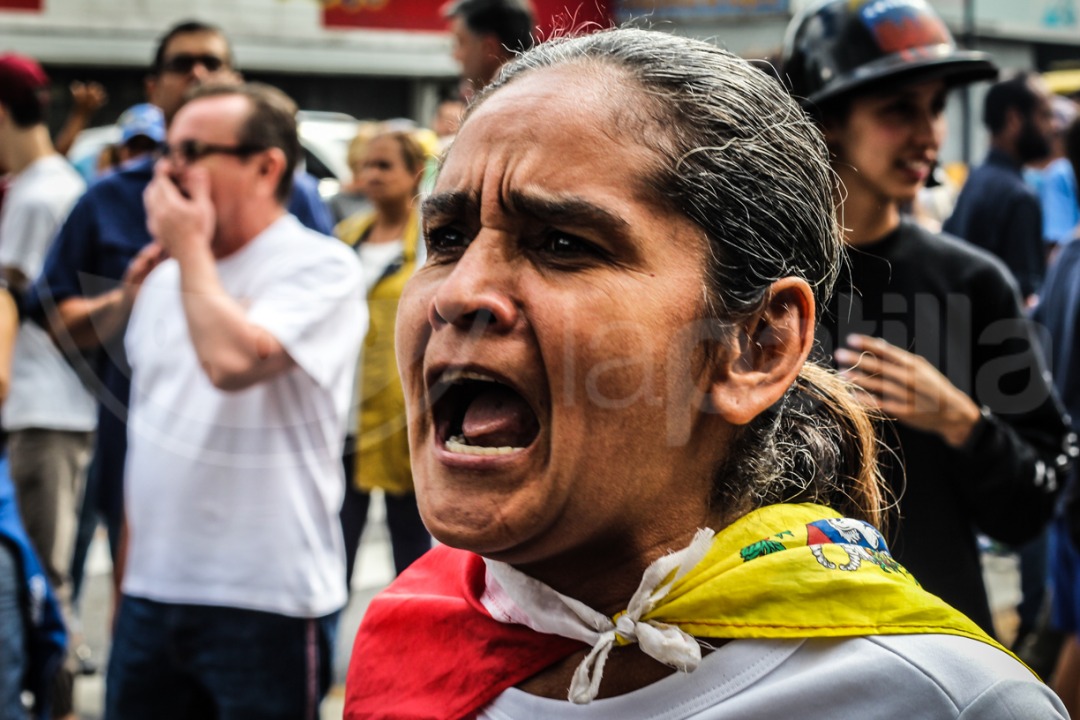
x,y
476,414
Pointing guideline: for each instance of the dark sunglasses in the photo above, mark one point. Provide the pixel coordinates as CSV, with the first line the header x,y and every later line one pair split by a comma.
x,y
190,151
185,62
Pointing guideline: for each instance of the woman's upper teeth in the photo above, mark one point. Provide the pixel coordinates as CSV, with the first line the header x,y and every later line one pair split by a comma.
x,y
455,376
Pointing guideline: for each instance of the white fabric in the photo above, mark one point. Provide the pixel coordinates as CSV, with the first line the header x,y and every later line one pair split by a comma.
x,y
232,498
513,597
375,258
874,678
45,391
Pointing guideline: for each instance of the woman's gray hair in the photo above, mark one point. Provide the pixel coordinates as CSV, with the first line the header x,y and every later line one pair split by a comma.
x,y
741,159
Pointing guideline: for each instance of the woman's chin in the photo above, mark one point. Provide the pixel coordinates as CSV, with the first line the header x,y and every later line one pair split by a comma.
x,y
496,537
467,529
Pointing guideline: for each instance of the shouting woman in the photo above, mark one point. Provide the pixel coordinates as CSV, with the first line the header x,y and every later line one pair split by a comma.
x,y
650,503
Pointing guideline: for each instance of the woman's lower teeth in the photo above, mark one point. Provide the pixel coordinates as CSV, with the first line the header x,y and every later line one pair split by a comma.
x,y
458,444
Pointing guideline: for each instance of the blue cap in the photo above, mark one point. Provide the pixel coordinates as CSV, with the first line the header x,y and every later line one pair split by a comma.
x,y
144,119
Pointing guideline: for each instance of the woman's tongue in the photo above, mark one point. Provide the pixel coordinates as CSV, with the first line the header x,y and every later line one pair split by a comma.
x,y
499,417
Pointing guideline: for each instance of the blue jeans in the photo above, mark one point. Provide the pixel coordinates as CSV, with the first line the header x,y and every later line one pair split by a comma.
x,y
173,662
12,636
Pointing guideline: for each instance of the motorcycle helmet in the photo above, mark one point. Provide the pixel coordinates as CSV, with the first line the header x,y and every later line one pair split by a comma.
x,y
835,47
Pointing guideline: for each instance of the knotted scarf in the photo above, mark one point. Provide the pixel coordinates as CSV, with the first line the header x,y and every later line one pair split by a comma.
x,y
454,631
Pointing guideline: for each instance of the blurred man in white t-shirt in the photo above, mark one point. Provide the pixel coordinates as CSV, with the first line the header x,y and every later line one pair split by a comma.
x,y
242,344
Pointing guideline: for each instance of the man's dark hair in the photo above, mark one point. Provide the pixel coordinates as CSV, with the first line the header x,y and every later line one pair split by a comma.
x,y
188,27
30,110
511,21
1012,93
270,124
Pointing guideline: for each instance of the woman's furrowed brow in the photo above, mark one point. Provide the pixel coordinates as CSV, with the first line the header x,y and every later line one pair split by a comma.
x,y
564,211
460,204
456,204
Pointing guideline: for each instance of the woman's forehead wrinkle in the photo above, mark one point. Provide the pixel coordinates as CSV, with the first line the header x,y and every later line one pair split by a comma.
x,y
452,203
548,207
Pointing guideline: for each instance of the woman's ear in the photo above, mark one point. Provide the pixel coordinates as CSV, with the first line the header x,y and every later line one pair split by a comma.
x,y
766,354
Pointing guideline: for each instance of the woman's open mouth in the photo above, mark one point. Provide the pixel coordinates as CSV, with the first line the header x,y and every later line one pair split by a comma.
x,y
478,414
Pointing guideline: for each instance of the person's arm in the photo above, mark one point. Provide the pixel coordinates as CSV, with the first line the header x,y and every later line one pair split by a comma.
x,y
234,353
88,322
88,98
1018,455
1012,435
9,328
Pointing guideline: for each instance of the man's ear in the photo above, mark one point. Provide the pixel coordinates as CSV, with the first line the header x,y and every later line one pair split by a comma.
x,y
1014,122
271,165
766,354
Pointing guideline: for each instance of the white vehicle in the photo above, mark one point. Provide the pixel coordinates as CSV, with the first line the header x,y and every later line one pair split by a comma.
x,y
325,137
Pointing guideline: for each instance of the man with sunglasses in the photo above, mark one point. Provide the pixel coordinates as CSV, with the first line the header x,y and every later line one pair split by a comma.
x,y
242,346
94,269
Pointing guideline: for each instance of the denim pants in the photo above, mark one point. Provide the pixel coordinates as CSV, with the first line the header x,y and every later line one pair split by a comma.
x,y
174,662
12,636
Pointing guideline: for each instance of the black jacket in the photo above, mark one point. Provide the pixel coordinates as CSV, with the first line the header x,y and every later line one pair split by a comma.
x,y
957,307
998,212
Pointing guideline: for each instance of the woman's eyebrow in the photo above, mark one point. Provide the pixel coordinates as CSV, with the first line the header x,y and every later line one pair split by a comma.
x,y
456,203
542,207
564,210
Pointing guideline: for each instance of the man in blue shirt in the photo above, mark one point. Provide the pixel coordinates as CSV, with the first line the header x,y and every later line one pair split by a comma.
x,y
1056,182
996,210
92,274
1057,191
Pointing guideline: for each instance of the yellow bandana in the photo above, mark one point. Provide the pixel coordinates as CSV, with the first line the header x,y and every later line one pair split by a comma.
x,y
795,571
784,571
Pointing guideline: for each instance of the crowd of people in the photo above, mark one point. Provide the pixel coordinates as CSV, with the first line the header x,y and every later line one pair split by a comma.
x,y
696,399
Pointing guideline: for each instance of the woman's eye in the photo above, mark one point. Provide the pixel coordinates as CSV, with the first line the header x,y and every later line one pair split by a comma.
x,y
899,110
569,247
446,241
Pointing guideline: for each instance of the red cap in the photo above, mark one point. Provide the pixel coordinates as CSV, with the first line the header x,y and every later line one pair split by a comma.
x,y
21,80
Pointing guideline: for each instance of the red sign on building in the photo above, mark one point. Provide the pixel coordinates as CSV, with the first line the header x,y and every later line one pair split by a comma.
x,y
426,15
31,5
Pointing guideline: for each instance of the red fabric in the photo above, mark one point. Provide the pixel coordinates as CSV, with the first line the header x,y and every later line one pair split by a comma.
x,y
21,80
427,649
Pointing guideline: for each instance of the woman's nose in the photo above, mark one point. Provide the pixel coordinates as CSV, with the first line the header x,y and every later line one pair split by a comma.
x,y
478,293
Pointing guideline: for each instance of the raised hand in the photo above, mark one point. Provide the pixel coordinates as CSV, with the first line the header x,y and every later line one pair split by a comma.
x,y
905,386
